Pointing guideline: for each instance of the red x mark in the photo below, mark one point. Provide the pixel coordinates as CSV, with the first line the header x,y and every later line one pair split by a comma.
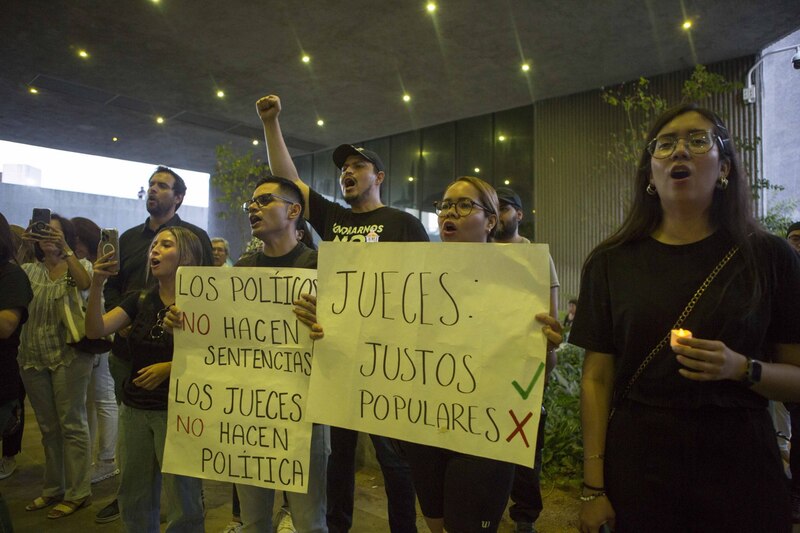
x,y
519,427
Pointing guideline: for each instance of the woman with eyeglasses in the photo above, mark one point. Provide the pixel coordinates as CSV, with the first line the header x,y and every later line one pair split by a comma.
x,y
457,492
676,434
143,413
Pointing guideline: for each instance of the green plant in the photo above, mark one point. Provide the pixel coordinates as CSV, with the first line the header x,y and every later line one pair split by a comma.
x,y
233,179
562,455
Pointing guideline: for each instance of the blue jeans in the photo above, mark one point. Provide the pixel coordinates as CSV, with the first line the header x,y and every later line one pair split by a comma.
x,y
144,435
400,494
308,510
58,398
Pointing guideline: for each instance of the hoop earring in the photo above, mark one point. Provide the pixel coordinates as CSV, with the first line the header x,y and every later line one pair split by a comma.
x,y
722,183
651,190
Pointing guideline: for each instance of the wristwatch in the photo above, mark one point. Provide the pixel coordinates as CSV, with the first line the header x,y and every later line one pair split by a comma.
x,y
752,374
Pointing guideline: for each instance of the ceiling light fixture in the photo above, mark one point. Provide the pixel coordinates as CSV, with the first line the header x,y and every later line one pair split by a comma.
x,y
687,24
160,120
406,97
320,122
431,7
114,139
749,92
305,59
525,67
255,142
33,90
83,53
477,170
411,178
501,138
220,94
507,182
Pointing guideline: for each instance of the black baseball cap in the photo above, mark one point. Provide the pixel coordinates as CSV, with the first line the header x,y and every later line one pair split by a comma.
x,y
508,196
793,227
344,151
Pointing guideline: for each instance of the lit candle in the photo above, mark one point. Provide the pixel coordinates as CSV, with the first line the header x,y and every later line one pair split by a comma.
x,y
677,333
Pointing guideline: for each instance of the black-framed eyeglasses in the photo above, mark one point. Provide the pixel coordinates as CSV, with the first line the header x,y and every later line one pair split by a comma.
x,y
463,207
697,142
158,329
794,239
263,200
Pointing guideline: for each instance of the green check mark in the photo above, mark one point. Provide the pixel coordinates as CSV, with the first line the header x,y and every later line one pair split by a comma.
x,y
527,392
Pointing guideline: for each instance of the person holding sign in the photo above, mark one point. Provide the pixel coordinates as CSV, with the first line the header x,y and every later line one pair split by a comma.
x,y
367,220
679,438
143,414
459,492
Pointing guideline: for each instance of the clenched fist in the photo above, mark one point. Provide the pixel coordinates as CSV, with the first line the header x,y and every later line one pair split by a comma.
x,y
268,107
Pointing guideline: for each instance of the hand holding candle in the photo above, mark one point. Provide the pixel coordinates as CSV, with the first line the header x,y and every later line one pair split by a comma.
x,y
675,334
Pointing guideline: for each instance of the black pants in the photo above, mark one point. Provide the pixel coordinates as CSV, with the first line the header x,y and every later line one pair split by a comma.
x,y
794,457
695,470
525,491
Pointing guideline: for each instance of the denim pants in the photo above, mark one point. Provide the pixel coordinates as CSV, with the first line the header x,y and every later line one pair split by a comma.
x,y
308,510
102,410
58,398
401,499
5,517
144,435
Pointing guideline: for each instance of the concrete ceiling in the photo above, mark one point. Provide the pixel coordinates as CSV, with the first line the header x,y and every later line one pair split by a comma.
x,y
169,58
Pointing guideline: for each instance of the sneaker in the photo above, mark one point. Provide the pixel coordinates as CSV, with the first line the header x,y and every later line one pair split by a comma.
x,y
524,527
109,513
104,470
285,524
7,466
233,527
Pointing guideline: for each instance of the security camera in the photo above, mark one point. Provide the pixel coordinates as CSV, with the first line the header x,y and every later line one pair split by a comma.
x,y
796,60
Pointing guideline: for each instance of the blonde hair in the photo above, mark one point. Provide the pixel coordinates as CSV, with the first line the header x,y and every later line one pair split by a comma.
x,y
190,251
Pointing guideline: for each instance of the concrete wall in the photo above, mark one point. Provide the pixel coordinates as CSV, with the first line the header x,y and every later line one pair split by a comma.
x,y
17,201
779,91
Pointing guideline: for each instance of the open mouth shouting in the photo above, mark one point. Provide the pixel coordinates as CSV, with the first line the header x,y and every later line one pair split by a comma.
x,y
154,263
449,229
348,184
254,220
679,172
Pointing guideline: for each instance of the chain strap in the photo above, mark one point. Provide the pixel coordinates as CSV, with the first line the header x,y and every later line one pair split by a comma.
x,y
678,323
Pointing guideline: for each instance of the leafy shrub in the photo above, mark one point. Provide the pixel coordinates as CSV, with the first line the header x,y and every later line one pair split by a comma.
x,y
562,456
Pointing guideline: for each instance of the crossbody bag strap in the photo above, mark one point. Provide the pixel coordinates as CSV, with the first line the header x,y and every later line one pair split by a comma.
x,y
678,323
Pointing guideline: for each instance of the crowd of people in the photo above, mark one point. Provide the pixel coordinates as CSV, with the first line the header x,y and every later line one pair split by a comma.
x,y
676,432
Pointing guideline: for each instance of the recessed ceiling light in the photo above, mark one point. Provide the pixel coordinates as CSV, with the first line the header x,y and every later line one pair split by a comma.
x,y
155,1
406,97
431,7
220,94
83,53
255,142
160,120
477,170
320,122
507,182
305,59
525,67
687,24
411,178
33,90
501,138
114,139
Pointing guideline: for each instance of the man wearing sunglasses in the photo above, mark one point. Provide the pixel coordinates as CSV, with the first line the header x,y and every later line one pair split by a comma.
x,y
165,193
366,220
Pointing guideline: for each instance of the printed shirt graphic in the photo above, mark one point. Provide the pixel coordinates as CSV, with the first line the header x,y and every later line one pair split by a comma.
x,y
385,224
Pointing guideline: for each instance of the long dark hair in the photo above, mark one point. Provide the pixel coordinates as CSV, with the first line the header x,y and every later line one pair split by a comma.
x,y
7,250
731,208
66,228
89,234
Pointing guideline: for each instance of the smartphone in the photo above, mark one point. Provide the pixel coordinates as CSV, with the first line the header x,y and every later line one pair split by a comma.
x,y
109,242
40,219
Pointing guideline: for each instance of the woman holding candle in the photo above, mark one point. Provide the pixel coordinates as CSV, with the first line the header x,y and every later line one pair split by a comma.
x,y
459,492
679,439
143,413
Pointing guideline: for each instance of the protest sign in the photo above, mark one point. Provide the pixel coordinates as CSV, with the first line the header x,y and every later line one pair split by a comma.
x,y
239,379
433,343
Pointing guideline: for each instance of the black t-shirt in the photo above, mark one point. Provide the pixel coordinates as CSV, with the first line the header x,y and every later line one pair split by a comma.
x,y
145,350
632,295
301,256
15,293
385,224
134,246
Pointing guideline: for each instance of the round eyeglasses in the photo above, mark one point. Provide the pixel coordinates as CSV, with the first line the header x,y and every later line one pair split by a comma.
x,y
263,200
697,142
463,207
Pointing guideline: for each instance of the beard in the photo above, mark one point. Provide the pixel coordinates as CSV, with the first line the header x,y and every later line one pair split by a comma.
x,y
158,208
506,230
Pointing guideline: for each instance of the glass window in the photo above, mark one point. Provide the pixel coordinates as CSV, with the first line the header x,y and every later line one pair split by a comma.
x,y
405,164
437,159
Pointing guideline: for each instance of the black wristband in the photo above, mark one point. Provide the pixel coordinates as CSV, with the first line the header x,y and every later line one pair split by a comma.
x,y
589,487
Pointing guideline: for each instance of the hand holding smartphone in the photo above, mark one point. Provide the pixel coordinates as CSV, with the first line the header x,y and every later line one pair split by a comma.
x,y
109,243
40,220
